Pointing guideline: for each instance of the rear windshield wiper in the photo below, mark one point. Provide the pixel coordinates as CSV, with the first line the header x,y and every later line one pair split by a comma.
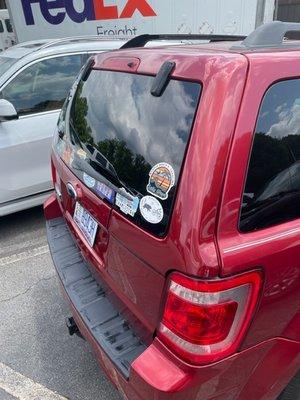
x,y
106,167
104,164
83,166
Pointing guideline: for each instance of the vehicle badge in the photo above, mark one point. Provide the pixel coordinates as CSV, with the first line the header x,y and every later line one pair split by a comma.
x,y
71,191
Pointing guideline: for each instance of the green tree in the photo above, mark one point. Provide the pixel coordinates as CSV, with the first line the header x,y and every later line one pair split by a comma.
x,y
131,168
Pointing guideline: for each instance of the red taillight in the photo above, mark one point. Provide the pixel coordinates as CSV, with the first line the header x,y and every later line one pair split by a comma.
x,y
204,321
200,325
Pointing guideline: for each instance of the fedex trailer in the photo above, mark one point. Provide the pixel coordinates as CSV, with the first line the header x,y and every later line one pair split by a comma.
x,y
43,19
7,35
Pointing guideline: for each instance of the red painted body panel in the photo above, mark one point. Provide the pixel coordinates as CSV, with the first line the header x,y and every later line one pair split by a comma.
x,y
124,274
203,238
190,243
158,375
276,250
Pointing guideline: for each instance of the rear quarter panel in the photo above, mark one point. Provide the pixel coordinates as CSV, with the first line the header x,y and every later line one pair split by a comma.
x,y
276,249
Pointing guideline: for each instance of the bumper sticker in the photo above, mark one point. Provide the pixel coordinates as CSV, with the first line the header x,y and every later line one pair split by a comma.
x,y
151,210
161,180
88,180
105,192
126,205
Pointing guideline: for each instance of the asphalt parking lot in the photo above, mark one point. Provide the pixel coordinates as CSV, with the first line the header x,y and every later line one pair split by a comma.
x,y
38,359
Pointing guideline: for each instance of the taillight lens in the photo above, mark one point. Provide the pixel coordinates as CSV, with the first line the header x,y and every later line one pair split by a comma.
x,y
205,321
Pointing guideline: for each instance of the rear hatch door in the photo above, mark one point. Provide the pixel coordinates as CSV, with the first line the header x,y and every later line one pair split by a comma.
x,y
126,150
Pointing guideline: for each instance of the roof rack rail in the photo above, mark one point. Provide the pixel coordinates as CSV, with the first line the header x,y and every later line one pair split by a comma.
x,y
56,42
142,40
271,34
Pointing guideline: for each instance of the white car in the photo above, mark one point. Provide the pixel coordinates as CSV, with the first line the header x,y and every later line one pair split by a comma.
x,y
35,78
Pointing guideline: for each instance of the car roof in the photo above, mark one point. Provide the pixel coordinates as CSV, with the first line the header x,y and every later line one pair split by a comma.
x,y
31,51
45,47
269,38
229,47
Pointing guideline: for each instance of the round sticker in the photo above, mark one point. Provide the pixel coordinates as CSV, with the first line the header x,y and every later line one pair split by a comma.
x,y
88,180
161,180
151,210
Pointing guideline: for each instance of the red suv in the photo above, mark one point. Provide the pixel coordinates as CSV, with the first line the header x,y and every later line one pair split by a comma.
x,y
175,226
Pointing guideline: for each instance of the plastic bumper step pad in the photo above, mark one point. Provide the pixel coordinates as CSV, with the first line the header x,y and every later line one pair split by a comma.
x,y
103,320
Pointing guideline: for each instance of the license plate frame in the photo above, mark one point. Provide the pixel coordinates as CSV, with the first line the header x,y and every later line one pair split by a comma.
x,y
86,223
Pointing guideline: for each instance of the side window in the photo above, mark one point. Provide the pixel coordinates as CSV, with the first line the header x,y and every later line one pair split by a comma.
x,y
44,85
272,190
1,27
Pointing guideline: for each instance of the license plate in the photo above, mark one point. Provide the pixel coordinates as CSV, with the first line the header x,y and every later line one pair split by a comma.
x,y
86,223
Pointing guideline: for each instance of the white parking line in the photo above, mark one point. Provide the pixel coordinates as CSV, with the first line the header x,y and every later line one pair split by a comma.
x,y
23,388
24,255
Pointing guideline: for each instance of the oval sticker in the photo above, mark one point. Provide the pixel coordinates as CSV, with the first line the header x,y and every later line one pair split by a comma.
x,y
161,180
88,180
151,210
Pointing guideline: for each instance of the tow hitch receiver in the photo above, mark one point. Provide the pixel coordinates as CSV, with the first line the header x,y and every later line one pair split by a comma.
x,y
72,327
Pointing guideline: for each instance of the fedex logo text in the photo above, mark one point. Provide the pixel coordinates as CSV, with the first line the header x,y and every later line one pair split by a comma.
x,y
92,10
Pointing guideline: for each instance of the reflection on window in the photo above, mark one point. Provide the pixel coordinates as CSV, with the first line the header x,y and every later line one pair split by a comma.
x,y
1,27
126,131
43,86
272,190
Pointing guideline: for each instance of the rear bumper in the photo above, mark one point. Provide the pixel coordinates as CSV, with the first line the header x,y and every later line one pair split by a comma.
x,y
111,332
153,373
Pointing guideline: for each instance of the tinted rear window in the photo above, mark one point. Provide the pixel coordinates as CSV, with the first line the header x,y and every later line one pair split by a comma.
x,y
139,139
272,190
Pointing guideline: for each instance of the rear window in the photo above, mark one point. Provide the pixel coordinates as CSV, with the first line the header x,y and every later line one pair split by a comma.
x,y
133,139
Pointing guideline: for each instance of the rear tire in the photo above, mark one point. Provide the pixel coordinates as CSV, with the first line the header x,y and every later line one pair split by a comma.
x,y
292,391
